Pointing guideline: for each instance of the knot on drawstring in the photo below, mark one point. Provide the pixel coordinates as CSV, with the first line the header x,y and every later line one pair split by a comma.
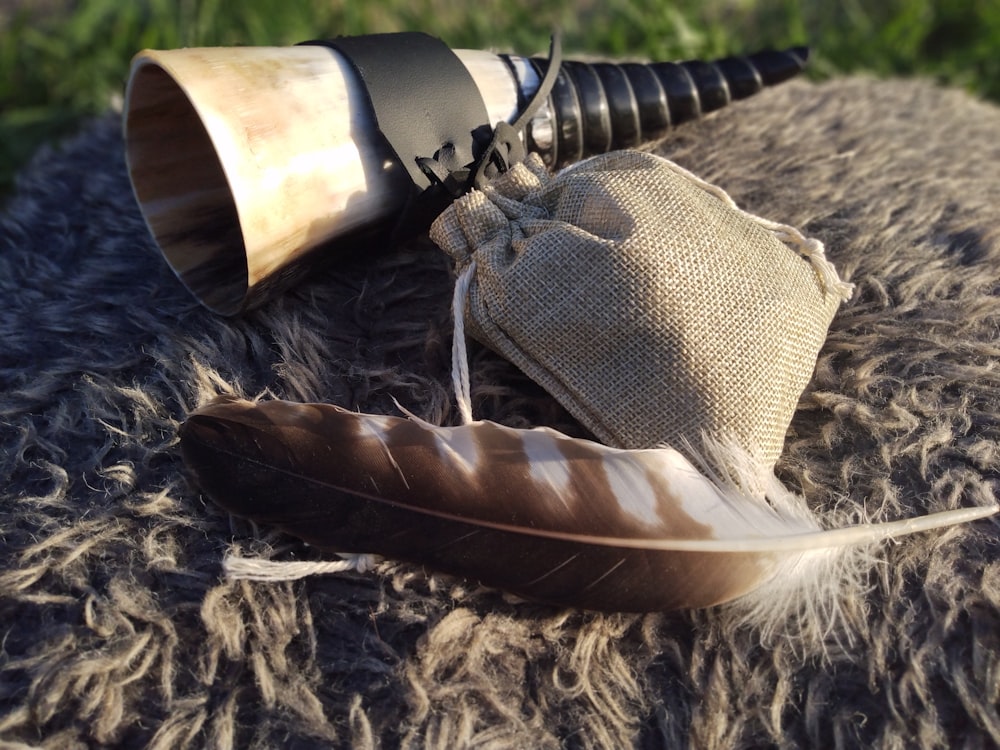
x,y
814,251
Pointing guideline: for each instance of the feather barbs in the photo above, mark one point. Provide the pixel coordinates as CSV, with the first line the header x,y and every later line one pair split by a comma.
x,y
535,512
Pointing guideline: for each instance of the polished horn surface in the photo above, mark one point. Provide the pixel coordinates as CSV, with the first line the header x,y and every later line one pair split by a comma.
x,y
601,106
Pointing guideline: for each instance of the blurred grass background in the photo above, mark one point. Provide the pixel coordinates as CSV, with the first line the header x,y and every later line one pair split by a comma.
x,y
62,61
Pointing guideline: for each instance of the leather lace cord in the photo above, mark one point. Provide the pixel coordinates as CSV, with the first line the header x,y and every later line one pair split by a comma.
x,y
506,147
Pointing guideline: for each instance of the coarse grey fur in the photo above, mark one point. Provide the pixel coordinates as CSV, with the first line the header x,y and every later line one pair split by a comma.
x,y
118,629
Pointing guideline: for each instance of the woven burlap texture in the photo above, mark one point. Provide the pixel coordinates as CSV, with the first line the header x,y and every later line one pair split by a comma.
x,y
653,311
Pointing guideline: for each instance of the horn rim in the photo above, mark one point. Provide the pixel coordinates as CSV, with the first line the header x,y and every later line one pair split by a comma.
x,y
198,230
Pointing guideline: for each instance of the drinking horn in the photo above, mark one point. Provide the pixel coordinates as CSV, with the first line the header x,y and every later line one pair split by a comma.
x,y
245,161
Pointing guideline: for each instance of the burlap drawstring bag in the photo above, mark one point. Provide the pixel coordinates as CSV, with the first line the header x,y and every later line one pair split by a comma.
x,y
643,300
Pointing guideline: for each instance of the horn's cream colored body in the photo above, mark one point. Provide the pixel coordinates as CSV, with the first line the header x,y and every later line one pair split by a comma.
x,y
243,159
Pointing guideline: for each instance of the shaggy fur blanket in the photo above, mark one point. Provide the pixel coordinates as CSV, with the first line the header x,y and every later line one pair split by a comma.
x,y
119,629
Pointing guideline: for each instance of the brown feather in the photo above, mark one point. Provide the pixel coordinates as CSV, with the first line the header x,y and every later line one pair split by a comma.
x,y
534,512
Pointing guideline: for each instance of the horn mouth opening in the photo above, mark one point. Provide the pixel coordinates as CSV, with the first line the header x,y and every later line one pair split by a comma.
x,y
182,189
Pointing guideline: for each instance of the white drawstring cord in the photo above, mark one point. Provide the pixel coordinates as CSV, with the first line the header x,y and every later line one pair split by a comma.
x,y
256,569
459,354
809,247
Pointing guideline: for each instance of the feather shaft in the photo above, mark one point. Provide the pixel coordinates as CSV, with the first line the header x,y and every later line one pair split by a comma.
x,y
532,511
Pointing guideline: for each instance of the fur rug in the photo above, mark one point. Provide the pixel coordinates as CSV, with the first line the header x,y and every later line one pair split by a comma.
x,y
119,630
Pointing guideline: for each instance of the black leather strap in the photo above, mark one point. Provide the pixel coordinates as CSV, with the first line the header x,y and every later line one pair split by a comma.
x,y
426,106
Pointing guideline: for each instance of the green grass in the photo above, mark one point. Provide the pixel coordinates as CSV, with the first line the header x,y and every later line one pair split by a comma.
x,y
57,71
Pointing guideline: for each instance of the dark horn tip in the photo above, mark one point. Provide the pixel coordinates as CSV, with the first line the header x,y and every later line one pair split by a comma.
x,y
777,67
802,53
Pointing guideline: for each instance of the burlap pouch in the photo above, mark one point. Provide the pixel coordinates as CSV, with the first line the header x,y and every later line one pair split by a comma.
x,y
643,299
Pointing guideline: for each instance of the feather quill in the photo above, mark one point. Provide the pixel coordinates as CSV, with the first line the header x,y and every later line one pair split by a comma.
x,y
534,512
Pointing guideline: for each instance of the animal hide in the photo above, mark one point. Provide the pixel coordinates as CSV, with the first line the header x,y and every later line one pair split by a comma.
x,y
535,512
119,630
